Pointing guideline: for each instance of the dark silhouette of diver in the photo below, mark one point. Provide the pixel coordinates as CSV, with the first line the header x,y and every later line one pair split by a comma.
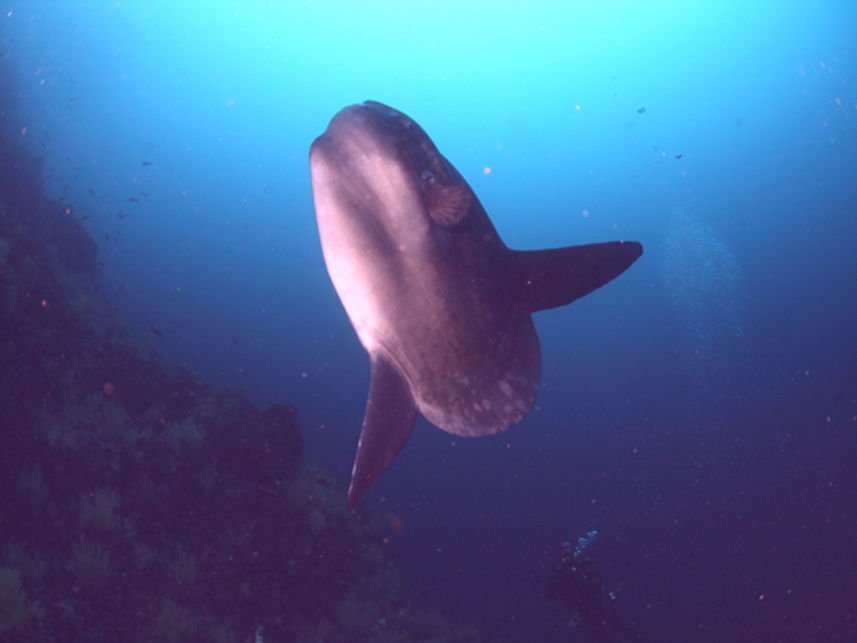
x,y
576,581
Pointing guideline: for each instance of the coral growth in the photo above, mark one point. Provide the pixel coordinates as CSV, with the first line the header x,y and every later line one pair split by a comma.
x,y
15,608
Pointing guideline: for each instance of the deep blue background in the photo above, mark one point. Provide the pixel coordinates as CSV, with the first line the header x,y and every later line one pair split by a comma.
x,y
700,411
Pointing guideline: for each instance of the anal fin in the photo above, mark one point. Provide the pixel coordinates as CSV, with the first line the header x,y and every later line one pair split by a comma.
x,y
387,425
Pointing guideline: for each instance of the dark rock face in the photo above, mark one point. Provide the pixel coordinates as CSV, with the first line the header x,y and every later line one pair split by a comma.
x,y
46,222
254,446
139,502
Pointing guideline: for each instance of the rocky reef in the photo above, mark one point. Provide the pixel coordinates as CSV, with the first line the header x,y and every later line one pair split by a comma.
x,y
140,504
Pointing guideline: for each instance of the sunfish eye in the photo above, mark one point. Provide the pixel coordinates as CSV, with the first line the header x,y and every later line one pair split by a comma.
x,y
427,177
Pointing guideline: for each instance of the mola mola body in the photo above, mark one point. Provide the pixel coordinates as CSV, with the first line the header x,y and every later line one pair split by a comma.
x,y
441,305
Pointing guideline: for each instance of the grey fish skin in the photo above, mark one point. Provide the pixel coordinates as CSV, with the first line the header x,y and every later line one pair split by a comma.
x,y
441,305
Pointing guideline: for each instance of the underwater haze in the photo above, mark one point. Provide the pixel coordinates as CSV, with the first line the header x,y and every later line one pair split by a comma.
x,y
699,412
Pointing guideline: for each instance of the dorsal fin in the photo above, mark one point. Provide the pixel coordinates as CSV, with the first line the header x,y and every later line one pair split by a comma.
x,y
387,425
550,278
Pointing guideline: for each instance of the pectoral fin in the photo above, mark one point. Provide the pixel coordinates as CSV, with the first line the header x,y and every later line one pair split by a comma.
x,y
449,204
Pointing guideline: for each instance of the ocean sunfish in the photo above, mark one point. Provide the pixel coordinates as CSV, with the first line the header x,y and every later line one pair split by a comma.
x,y
441,305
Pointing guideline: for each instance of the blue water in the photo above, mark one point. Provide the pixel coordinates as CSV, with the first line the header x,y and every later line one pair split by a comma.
x,y
700,411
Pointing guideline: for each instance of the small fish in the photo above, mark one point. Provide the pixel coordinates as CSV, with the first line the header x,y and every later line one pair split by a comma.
x,y
122,215
143,194
92,192
146,163
642,110
72,101
133,199
678,156
42,143
85,217
156,332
